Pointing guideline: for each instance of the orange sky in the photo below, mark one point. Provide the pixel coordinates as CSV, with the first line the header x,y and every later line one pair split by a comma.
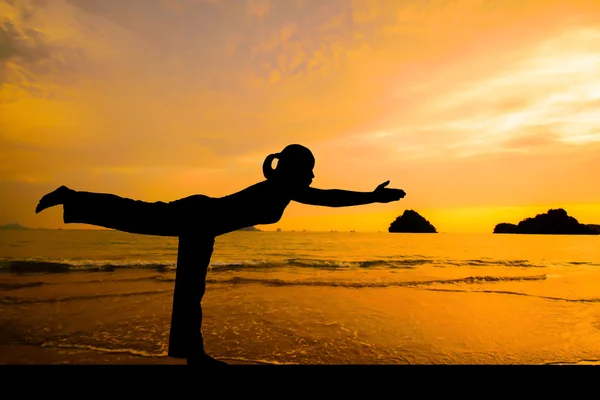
x,y
483,111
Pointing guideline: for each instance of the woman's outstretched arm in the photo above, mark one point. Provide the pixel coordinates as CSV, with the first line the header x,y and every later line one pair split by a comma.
x,y
346,198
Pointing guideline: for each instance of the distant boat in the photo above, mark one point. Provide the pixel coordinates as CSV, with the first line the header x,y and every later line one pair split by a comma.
x,y
278,229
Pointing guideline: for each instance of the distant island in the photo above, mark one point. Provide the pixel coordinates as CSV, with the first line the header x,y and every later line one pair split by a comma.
x,y
250,229
554,222
14,227
411,222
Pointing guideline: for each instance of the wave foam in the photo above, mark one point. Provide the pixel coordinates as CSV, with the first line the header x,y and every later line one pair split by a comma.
x,y
8,300
35,265
362,284
134,352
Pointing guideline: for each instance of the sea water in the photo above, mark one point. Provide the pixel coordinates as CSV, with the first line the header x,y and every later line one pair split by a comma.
x,y
310,297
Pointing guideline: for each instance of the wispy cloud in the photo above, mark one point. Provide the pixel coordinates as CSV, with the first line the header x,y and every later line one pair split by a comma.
x,y
258,8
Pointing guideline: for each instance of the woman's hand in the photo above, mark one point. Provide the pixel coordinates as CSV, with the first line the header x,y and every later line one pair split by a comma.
x,y
383,195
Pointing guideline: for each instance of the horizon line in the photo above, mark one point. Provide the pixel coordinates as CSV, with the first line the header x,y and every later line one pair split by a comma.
x,y
272,231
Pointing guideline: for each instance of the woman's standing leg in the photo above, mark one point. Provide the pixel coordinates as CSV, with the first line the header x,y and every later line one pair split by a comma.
x,y
193,260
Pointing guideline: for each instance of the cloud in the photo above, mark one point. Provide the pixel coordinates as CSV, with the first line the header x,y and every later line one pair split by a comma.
x,y
180,6
173,5
258,8
46,50
535,138
276,39
25,54
583,138
301,52
334,23
365,11
554,84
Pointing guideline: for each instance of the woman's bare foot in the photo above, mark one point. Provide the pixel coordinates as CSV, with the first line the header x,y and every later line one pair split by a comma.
x,y
53,198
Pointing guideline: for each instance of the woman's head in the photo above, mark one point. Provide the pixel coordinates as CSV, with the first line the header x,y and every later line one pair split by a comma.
x,y
294,166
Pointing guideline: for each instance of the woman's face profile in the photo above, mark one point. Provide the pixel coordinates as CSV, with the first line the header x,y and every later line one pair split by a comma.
x,y
304,174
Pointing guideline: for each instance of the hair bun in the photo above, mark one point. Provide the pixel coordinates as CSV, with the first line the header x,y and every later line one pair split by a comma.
x,y
268,170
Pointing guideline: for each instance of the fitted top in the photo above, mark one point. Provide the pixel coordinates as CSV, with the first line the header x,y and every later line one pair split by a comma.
x,y
259,204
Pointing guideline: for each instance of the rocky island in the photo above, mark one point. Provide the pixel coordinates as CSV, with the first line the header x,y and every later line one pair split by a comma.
x,y
595,228
554,222
411,222
14,227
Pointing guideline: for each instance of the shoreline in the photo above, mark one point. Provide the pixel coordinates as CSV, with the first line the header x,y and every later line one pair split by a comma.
x,y
14,354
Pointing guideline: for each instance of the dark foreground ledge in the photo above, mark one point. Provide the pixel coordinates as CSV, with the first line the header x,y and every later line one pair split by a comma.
x,y
148,371
292,381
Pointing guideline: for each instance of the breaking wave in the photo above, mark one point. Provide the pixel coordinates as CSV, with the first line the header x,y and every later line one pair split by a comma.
x,y
11,300
32,265
362,284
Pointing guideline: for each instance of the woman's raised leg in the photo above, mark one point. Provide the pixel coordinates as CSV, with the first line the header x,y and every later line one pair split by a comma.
x,y
115,212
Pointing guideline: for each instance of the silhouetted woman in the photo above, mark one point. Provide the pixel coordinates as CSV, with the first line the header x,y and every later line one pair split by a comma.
x,y
196,220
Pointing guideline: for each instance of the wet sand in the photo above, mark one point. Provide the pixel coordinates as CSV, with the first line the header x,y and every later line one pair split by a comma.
x,y
23,354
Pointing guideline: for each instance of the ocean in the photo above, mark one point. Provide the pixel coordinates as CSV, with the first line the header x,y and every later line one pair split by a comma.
x,y
98,297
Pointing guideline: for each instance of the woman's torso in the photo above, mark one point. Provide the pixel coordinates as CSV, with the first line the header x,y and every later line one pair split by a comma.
x,y
259,204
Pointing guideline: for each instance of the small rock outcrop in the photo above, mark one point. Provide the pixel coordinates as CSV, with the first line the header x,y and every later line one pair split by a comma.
x,y
411,222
